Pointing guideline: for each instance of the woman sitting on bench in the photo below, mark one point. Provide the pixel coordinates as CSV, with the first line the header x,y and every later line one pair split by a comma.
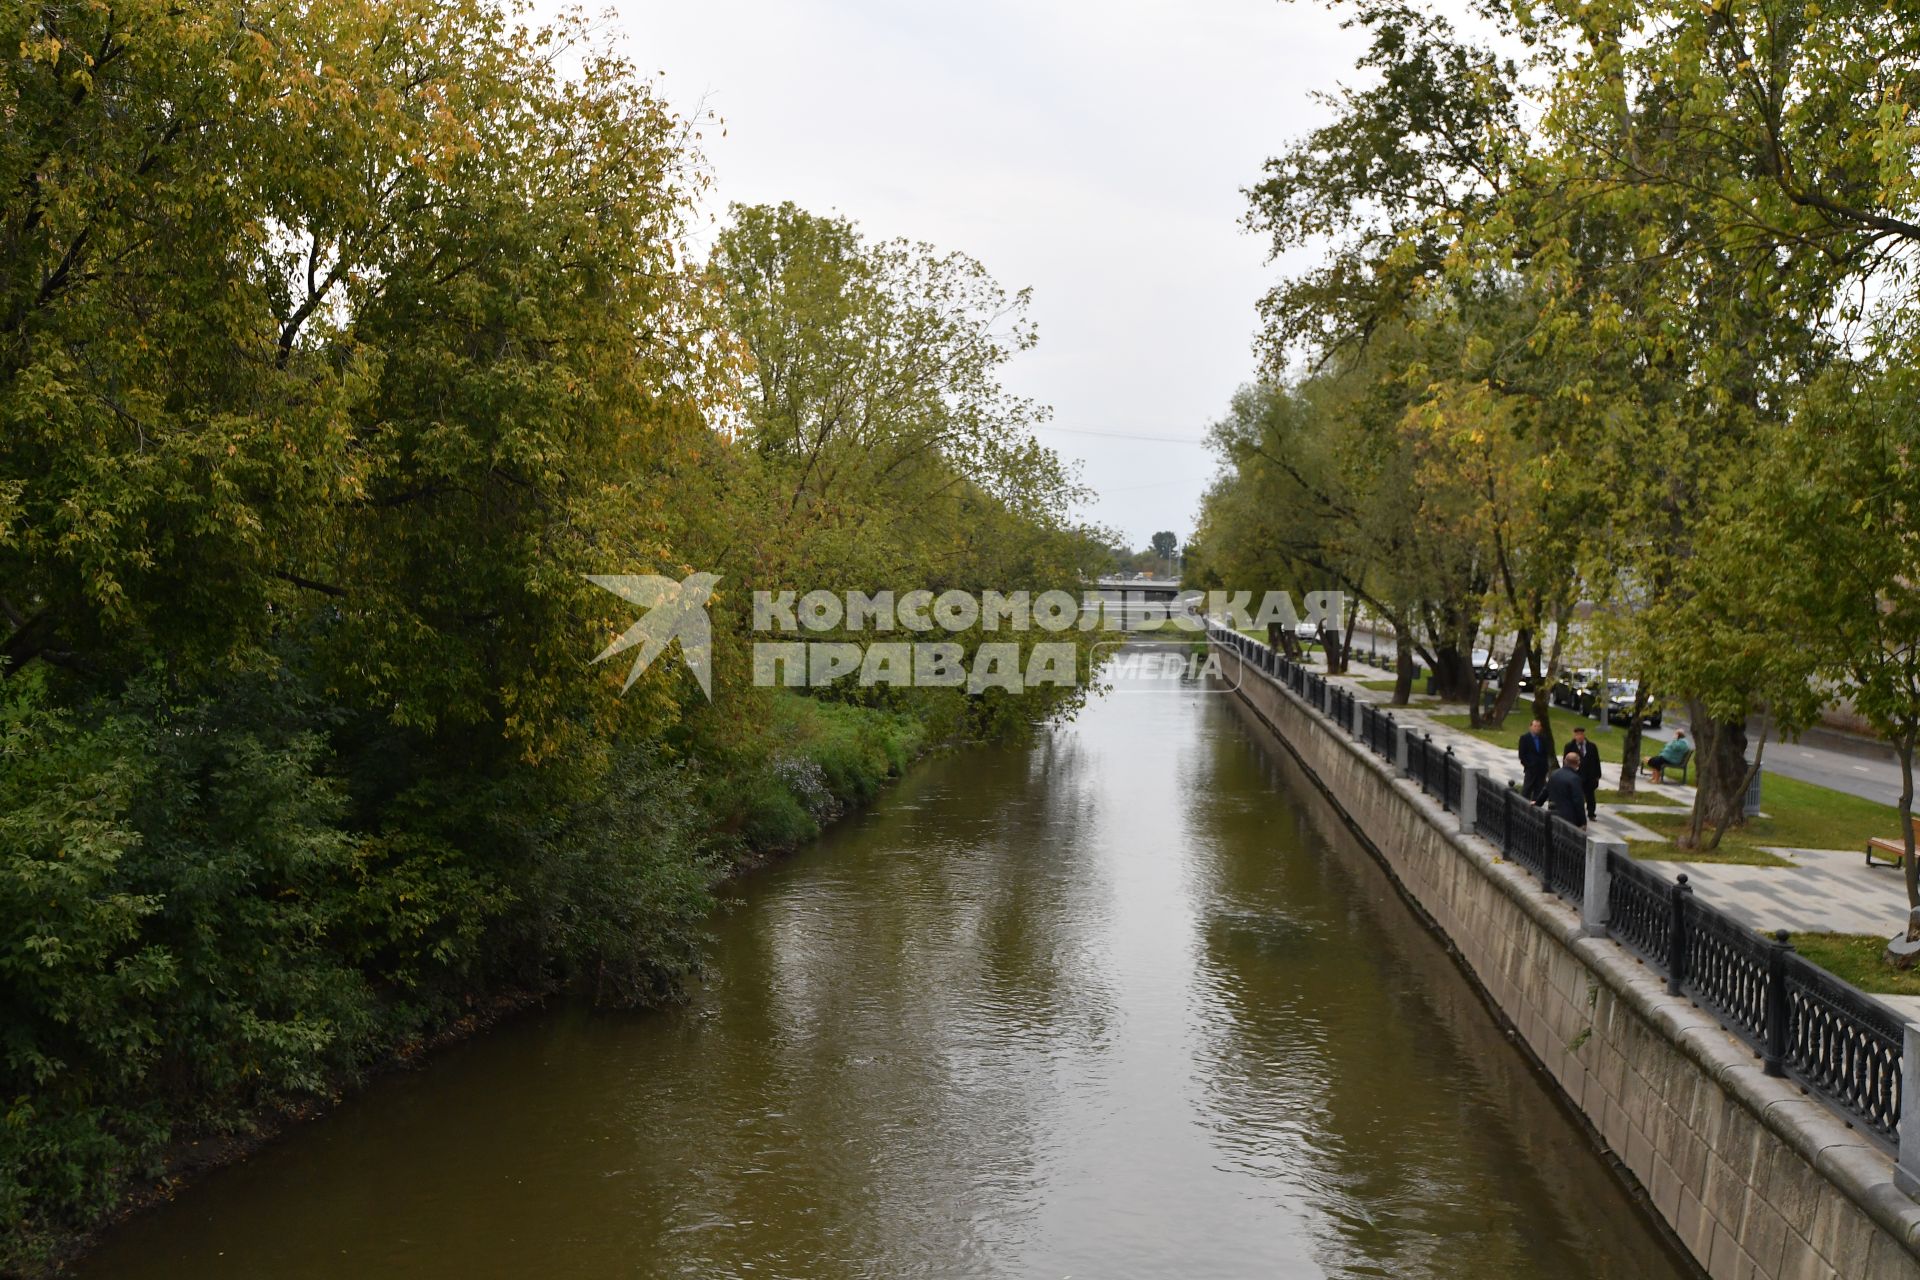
x,y
1672,756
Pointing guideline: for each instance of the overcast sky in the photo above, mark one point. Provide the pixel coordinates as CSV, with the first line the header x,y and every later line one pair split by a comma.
x,y
1096,152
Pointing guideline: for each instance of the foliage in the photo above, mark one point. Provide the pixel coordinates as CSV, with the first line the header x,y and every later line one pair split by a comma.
x,y
1616,323
339,343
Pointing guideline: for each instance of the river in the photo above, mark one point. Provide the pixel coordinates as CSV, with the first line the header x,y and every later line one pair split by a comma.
x,y
1123,1003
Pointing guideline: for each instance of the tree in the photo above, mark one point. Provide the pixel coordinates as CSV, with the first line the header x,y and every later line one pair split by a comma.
x,y
339,343
1712,193
880,447
1837,488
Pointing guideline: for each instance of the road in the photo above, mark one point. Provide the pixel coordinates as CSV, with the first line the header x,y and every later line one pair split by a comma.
x,y
1871,778
1840,770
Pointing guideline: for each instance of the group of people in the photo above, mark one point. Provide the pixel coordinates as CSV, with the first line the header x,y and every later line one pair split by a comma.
x,y
1569,791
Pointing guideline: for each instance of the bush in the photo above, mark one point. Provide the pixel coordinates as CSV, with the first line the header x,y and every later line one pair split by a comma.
x,y
170,880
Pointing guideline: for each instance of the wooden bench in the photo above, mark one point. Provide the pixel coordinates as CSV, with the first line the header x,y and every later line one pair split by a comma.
x,y
1892,850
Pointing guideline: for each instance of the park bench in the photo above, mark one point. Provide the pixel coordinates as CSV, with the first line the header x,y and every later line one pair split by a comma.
x,y
1667,771
1892,850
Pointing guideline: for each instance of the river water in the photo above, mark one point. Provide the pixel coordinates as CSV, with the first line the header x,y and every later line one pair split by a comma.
x,y
1125,1003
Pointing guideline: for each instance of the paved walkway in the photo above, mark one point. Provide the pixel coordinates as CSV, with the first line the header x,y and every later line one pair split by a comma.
x,y
1819,891
1872,777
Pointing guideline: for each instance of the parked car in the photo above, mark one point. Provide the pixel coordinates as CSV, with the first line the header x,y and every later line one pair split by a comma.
x,y
1575,689
1621,695
1485,665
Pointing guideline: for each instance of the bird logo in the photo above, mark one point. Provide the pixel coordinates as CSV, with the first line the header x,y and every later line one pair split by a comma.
x,y
675,611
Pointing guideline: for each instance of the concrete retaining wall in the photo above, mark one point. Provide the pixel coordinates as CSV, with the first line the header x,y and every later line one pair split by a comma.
x,y
1756,1178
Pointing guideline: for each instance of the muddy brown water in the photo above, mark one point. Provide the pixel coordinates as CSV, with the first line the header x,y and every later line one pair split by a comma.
x,y
1124,1003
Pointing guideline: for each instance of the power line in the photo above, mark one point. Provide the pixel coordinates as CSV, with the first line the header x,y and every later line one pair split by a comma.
x,y
1154,484
1122,435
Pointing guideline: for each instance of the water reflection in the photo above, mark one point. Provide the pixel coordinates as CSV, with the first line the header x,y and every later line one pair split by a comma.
x,y
1121,1004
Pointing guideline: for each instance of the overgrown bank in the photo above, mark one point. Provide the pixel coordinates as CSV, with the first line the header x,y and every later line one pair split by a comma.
x,y
342,346
183,1064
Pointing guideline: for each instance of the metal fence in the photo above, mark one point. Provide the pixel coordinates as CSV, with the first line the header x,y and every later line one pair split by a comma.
x,y
1381,733
1566,861
1527,833
1803,1022
1418,749
1842,1044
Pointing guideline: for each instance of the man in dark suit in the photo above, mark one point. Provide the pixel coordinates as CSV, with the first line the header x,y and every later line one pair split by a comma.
x,y
1566,795
1536,757
1589,768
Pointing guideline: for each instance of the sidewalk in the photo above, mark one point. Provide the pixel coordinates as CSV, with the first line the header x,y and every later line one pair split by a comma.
x,y
1869,777
1821,891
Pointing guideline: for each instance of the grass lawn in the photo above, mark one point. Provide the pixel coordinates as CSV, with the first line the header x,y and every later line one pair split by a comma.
x,y
1800,815
1744,855
1647,795
1859,959
1387,686
1508,738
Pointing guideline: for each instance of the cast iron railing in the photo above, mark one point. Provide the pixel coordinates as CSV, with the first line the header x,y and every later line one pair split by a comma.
x,y
1526,834
1803,1022
1490,810
1418,749
1842,1044
1566,870
1638,907
1433,769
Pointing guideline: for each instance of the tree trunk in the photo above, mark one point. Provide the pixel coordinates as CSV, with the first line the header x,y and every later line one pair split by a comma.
x,y
1630,745
1453,674
1523,653
1719,796
1402,668
1543,677
1906,829
1341,649
1739,814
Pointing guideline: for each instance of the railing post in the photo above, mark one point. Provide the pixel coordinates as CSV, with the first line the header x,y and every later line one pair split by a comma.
x,y
1597,886
1677,934
1469,798
1359,729
1774,1060
1401,734
1906,1169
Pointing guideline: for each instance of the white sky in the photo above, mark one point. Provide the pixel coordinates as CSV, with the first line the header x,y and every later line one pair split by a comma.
x,y
1096,152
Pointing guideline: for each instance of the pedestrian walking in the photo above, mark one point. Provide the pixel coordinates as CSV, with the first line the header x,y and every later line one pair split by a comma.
x,y
1565,795
1589,767
1536,758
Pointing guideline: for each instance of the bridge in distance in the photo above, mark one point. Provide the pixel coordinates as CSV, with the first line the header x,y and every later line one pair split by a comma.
x,y
1140,599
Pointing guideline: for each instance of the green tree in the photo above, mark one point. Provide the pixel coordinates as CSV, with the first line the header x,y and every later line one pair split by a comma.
x,y
1837,488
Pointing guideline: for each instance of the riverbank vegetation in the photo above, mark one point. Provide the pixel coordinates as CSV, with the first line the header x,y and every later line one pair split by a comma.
x,y
1608,346
339,344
